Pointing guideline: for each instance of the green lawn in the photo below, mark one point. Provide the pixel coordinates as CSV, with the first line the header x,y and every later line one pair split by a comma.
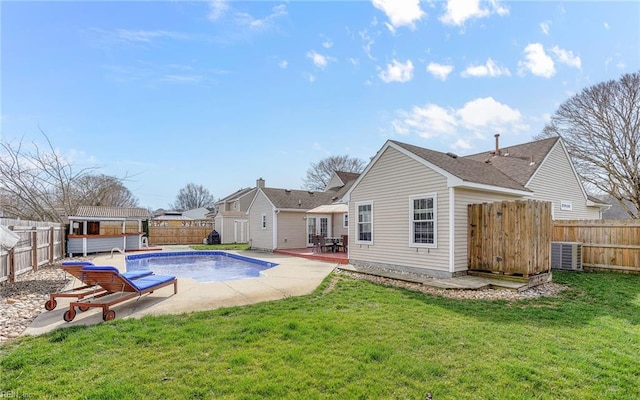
x,y
354,340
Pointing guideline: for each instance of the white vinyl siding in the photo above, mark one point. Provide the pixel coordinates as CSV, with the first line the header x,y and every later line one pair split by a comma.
x,y
423,220
261,238
292,230
555,182
389,184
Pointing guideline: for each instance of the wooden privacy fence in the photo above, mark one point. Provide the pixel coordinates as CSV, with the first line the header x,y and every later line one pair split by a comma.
x,y
194,234
510,237
606,244
40,243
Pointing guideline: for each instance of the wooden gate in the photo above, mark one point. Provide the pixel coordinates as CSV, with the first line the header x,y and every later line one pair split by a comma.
x,y
510,237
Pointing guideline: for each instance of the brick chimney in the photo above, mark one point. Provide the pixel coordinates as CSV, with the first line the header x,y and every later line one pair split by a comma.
x,y
260,183
497,136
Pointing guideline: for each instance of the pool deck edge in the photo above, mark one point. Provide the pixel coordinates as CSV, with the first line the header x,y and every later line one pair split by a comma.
x,y
293,276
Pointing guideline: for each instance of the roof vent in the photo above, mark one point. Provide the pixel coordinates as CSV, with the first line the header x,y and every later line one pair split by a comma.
x,y
287,191
452,155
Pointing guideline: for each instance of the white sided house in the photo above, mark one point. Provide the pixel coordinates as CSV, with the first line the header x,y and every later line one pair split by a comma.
x,y
278,220
230,215
409,207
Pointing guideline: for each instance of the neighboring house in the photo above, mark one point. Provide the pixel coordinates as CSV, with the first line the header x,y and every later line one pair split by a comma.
x,y
197,213
277,217
194,217
332,219
230,215
409,206
616,211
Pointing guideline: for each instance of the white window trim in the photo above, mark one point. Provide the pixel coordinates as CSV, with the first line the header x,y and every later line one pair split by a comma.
x,y
263,222
435,221
345,220
357,222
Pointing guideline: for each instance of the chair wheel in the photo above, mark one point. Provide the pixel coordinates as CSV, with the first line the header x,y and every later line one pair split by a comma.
x,y
69,315
109,315
50,304
83,308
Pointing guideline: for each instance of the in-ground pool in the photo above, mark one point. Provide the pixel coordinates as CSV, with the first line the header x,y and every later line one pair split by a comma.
x,y
203,266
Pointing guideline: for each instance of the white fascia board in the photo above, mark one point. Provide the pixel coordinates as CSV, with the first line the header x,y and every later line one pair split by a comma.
x,y
292,210
459,183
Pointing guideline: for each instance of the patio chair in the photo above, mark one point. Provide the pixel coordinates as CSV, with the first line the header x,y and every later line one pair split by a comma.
x,y
345,243
118,289
322,244
88,288
316,242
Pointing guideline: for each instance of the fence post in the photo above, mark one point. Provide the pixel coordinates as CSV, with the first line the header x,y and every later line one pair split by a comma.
x,y
12,266
63,239
34,248
51,243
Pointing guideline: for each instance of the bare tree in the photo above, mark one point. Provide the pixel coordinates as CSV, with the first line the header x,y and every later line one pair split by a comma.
x,y
193,196
601,128
320,173
103,190
40,184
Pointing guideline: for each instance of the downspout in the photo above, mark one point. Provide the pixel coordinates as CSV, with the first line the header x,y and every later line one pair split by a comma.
x,y
452,230
275,229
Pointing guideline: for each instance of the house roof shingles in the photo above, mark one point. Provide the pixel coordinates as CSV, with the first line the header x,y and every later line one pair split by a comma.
x,y
112,212
347,177
297,199
519,162
465,168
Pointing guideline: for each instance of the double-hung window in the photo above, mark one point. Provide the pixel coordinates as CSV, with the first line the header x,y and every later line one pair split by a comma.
x,y
264,221
423,220
364,227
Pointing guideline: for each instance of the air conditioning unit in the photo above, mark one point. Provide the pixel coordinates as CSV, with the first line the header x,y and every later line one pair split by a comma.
x,y
566,256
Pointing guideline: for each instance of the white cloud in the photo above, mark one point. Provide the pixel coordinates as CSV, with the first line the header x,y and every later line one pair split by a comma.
x,y
461,144
183,78
310,77
459,11
475,119
400,12
248,20
566,57
545,27
217,8
283,64
368,42
147,36
488,113
397,72
606,25
490,69
537,61
440,71
319,60
327,44
428,121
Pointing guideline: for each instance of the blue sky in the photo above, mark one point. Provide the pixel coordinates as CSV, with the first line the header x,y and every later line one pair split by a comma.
x,y
220,93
